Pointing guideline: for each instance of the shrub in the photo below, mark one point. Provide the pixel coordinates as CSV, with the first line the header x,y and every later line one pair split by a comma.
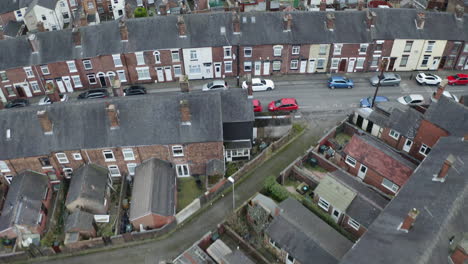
x,y
275,190
140,12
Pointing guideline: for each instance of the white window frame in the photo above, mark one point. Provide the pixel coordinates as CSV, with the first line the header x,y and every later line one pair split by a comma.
x,y
113,168
249,49
177,70
337,49
157,57
193,55
320,64
87,64
35,87
227,66
294,64
77,156
410,42
45,69
394,134
425,60
393,187
404,58
187,168
363,49
424,148
175,58
8,178
323,49
77,81
375,61
128,154
353,223
322,203
247,66
360,63
177,151
277,50
62,158
334,63
39,218
276,65
274,244
195,69
131,168
296,49
4,166
2,75
89,79
117,60
227,52
143,73
72,65
28,71
430,46
140,58
351,161
120,74
108,151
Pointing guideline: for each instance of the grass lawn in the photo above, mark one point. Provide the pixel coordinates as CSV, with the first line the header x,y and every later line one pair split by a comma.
x,y
342,138
291,182
188,192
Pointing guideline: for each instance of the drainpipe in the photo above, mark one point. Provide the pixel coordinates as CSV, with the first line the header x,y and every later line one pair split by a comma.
x,y
130,81
238,66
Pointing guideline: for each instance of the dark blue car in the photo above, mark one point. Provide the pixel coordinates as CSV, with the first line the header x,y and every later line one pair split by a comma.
x,y
366,102
340,82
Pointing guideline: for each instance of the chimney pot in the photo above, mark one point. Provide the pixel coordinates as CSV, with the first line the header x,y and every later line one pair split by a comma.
x,y
459,11
33,42
184,84
40,26
445,168
409,220
370,18
76,36
45,122
330,21
287,21
440,89
360,5
181,26
123,30
323,5
185,112
163,10
236,22
113,115
420,19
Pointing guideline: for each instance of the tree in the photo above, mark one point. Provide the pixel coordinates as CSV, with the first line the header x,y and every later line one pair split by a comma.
x,y
140,12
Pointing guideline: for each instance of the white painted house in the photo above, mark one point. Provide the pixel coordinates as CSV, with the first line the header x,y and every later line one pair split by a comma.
x,y
118,8
52,13
198,63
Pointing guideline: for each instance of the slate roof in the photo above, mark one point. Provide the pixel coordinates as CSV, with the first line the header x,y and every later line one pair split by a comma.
x,y
24,200
194,255
12,28
7,6
49,4
215,167
154,189
448,115
237,257
338,195
305,236
88,182
204,30
79,221
405,122
443,213
84,124
379,157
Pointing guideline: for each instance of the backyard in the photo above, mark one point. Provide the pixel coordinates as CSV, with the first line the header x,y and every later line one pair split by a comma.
x,y
188,190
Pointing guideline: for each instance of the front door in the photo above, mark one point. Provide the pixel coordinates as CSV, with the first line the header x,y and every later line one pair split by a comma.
x,y
391,64
435,63
362,172
336,214
68,85
303,67
2,96
266,68
351,64
342,66
258,68
311,68
102,80
289,259
228,155
217,67
208,70
60,85
160,74
23,90
408,144
168,72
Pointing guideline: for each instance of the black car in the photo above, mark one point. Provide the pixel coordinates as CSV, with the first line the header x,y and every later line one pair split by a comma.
x,y
17,103
94,93
134,90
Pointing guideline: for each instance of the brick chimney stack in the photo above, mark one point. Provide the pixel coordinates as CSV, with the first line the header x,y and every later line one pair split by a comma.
x,y
249,86
184,84
113,115
459,12
440,89
268,5
287,22
76,37
330,21
40,26
83,19
33,42
163,9
370,19
181,26
360,5
45,122
448,163
236,22
1,105
2,33
406,225
185,115
323,5
420,20
123,30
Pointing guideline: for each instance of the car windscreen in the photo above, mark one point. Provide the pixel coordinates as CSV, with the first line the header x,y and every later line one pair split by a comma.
x,y
278,103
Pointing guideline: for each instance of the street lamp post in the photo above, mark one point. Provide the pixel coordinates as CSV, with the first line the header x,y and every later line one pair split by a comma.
x,y
231,179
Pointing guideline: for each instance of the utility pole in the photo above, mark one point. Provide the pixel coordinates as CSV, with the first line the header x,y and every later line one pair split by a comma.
x,y
383,66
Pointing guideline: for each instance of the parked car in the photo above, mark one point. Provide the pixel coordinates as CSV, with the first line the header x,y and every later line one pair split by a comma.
x,y
284,104
446,94
215,85
411,99
340,82
259,84
46,100
458,79
134,90
94,94
388,79
15,103
428,79
367,102
257,106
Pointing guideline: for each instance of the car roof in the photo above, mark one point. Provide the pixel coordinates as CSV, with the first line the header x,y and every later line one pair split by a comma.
x,y
256,102
217,82
387,75
288,100
462,75
335,78
416,96
256,80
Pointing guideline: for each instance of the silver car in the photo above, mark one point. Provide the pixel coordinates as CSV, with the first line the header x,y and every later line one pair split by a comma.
x,y
215,85
388,79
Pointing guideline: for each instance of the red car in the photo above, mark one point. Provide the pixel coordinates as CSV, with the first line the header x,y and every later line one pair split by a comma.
x,y
458,79
284,104
257,106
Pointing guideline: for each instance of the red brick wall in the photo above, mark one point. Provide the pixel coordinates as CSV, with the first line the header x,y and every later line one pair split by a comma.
x,y
458,256
352,230
394,143
218,57
427,134
6,17
152,221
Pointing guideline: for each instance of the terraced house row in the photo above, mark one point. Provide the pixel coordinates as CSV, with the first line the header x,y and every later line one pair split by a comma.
x,y
219,45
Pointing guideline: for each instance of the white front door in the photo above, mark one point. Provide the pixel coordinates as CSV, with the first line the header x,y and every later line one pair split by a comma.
x,y
68,84
311,68
258,68
289,259
408,144
60,85
336,214
160,73
266,68
2,96
208,70
466,64
168,72
228,155
435,63
302,68
351,64
217,67
362,172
